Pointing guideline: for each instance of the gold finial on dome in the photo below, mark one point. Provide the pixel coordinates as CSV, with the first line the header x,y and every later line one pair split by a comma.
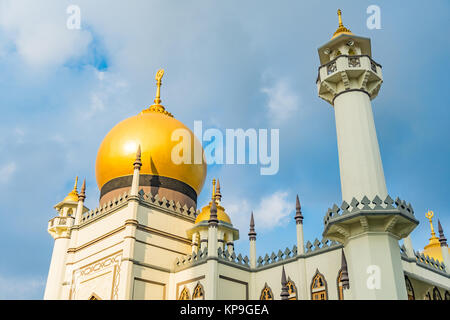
x,y
341,29
213,189
157,107
433,248
73,195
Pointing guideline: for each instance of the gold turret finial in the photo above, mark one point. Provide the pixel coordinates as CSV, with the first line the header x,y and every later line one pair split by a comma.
x,y
73,195
430,215
157,107
341,29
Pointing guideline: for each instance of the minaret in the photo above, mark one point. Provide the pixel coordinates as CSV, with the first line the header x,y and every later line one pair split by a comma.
x,y
212,276
252,238
299,225
349,79
131,224
137,167
444,247
60,229
80,206
284,289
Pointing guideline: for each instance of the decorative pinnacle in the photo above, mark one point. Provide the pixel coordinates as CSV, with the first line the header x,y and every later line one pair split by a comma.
x,y
157,107
344,277
137,163
341,28
442,238
213,197
284,289
82,194
430,215
213,221
75,186
298,212
252,233
218,194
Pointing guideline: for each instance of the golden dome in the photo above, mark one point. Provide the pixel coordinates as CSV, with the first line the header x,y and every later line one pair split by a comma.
x,y
152,129
73,195
206,210
433,248
341,29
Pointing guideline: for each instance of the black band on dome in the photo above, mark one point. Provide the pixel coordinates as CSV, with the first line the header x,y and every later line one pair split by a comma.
x,y
149,180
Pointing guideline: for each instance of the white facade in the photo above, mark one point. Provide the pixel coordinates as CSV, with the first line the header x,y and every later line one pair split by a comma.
x,y
142,247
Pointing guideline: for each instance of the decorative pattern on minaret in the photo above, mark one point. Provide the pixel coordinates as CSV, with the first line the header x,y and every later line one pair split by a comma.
x,y
218,194
298,212
442,238
344,277
284,289
82,194
213,221
137,163
252,233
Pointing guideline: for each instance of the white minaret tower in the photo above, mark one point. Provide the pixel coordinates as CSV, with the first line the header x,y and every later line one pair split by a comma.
x,y
368,225
60,229
349,79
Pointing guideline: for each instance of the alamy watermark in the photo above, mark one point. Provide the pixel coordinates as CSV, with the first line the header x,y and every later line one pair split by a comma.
x,y
236,147
374,20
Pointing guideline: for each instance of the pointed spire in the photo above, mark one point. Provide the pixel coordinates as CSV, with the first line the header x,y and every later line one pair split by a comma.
x,y
218,194
157,107
298,212
341,28
137,163
442,238
344,277
213,221
73,195
82,194
252,233
284,289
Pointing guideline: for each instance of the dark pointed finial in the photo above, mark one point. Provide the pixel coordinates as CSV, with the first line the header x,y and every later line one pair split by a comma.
x,y
442,238
218,194
82,194
344,277
137,163
284,289
213,221
298,212
252,233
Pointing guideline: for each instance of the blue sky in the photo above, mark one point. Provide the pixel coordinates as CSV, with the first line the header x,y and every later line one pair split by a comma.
x,y
231,64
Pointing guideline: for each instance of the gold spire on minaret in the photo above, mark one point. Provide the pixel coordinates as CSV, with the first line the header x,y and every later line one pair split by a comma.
x,y
430,215
341,29
214,190
433,248
157,107
73,195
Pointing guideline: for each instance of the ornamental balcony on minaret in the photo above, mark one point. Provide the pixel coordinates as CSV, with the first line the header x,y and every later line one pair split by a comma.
x,y
346,64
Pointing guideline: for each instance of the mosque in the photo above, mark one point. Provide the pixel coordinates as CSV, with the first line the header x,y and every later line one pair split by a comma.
x,y
147,239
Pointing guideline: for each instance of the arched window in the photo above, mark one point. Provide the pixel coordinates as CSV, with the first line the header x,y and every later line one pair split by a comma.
x,y
266,293
447,295
409,289
340,286
319,287
292,289
184,295
351,52
427,296
198,292
436,294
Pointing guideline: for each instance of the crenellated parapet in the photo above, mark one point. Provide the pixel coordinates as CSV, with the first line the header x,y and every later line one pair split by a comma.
x,y
319,245
281,256
225,256
144,198
396,217
429,263
193,259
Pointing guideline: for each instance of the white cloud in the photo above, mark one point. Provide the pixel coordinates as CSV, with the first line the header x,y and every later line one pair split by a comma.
x,y
21,288
282,101
270,212
39,32
7,171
